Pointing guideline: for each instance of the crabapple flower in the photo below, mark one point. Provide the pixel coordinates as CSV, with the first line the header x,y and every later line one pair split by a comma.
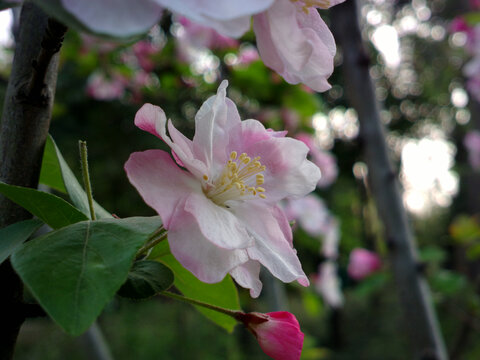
x,y
218,199
278,333
294,41
328,284
100,87
363,263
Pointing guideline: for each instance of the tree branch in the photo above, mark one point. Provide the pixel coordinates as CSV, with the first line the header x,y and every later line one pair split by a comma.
x,y
23,131
420,319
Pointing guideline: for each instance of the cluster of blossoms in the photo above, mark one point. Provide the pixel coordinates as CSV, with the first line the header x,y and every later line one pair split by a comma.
x,y
471,70
291,36
220,208
110,83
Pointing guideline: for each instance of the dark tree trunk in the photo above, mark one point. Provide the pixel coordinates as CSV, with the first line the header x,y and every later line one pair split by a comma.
x,y
414,294
23,130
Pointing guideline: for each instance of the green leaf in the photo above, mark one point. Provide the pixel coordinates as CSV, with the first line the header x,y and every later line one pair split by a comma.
x,y
51,173
145,279
472,18
14,235
223,294
74,189
75,271
54,211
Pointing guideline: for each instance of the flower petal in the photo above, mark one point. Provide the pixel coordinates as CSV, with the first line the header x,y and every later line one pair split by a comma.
x,y
217,224
208,262
271,247
152,118
296,44
115,17
160,182
213,122
247,276
288,172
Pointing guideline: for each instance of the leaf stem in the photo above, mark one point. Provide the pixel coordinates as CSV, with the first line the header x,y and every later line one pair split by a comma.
x,y
233,313
158,236
86,176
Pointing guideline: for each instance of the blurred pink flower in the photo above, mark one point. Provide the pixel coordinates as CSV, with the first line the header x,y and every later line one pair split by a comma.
x,y
144,50
294,41
221,213
203,37
247,55
278,333
328,284
363,263
292,38
472,144
311,213
324,160
100,87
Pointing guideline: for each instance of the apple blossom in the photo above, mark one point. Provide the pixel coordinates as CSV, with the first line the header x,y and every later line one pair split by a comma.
x,y
278,333
294,41
221,209
291,36
328,284
363,263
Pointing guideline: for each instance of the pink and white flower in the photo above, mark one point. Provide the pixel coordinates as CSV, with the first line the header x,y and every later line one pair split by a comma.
x,y
278,333
363,263
292,38
328,284
294,41
220,205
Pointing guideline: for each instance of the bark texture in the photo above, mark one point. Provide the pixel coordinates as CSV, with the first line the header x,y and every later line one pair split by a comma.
x,y
23,131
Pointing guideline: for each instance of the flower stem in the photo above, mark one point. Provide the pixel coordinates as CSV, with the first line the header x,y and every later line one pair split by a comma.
x,y
232,313
86,176
159,235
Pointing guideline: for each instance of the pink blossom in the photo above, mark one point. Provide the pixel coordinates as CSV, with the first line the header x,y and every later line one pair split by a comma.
x,y
363,263
324,160
100,87
221,212
247,55
310,212
472,144
144,50
203,37
328,284
278,333
294,41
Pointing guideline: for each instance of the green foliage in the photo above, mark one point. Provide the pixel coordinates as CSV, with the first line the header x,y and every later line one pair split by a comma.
x,y
73,272
223,294
145,279
54,211
14,235
51,173
73,187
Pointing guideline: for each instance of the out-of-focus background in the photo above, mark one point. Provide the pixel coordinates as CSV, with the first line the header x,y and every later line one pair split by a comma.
x,y
425,62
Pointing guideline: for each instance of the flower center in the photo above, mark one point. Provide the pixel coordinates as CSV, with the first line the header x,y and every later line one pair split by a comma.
x,y
322,4
239,180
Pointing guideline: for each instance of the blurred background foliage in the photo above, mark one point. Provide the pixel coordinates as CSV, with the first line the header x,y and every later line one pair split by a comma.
x,y
416,62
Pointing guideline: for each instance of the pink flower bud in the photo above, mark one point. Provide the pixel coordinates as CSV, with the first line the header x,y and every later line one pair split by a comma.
x,y
363,263
278,333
